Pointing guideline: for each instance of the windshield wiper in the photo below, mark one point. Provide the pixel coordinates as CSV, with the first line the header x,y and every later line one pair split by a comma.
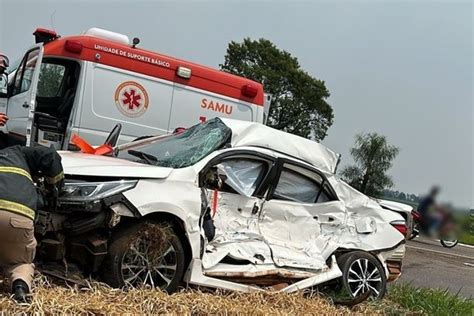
x,y
149,159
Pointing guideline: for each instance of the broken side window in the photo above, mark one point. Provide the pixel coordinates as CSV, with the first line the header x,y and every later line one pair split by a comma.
x,y
242,175
293,186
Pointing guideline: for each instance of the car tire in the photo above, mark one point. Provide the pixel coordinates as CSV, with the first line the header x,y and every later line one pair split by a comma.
x,y
152,247
362,271
449,243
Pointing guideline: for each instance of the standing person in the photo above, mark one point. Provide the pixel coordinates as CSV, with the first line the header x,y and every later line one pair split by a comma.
x,y
429,210
19,165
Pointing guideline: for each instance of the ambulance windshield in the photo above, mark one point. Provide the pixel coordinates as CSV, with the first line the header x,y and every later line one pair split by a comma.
x,y
186,148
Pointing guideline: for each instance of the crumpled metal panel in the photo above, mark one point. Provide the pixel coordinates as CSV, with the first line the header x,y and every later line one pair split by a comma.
x,y
297,235
255,134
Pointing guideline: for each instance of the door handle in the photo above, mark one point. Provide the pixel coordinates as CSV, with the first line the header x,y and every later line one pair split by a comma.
x,y
255,209
26,105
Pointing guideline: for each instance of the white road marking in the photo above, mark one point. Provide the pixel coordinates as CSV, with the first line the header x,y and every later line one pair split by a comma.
x,y
469,264
441,252
467,246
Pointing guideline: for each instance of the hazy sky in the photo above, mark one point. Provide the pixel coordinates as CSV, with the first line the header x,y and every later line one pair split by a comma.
x,y
400,68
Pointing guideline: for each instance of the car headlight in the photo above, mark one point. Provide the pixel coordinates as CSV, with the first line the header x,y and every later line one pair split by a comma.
x,y
92,191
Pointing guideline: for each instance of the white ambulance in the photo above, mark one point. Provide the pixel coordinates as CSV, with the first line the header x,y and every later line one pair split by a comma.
x,y
87,84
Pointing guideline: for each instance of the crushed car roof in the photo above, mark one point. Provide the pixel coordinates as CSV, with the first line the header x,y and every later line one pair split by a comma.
x,y
256,134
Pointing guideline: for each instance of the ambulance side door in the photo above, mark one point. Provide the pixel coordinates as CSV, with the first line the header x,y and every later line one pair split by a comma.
x,y
22,96
140,103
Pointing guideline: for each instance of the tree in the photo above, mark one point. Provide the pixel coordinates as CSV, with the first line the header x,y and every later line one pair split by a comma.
x,y
50,78
373,156
298,102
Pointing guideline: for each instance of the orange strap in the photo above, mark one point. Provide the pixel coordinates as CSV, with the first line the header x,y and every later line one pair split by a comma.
x,y
215,195
86,148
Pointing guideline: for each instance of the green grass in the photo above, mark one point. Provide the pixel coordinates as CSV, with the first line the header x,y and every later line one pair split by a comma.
x,y
467,239
466,224
430,301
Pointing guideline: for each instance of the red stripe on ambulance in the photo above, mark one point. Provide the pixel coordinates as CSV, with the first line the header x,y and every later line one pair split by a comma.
x,y
106,52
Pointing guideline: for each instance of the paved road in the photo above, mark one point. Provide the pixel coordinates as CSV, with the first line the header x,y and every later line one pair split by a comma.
x,y
428,264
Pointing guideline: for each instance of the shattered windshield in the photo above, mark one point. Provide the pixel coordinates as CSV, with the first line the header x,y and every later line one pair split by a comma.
x,y
184,149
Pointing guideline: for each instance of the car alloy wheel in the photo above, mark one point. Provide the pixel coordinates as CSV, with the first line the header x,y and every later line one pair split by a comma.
x,y
362,273
364,276
145,253
141,266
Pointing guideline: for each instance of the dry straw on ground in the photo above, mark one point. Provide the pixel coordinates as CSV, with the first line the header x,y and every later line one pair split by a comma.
x,y
99,299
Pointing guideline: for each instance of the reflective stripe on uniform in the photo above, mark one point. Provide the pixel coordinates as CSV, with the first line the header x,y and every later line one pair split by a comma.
x,y
55,179
17,208
16,170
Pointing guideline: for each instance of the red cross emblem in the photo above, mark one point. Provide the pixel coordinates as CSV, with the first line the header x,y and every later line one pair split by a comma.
x,y
131,99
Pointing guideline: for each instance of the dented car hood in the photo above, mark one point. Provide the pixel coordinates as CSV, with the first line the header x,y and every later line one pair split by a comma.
x,y
75,163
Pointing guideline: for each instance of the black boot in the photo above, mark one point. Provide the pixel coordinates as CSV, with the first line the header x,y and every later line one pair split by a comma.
x,y
20,291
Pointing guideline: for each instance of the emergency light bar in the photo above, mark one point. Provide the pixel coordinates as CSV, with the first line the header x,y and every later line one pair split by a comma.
x,y
108,35
249,90
44,35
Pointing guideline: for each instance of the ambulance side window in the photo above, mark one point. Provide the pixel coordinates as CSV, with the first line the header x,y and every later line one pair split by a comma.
x,y
18,75
25,72
50,80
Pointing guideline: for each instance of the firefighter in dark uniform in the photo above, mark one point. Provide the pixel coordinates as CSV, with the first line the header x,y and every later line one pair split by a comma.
x,y
19,166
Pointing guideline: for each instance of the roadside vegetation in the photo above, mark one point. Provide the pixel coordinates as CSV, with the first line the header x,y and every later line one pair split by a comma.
x,y
299,101
373,157
99,299
430,301
467,229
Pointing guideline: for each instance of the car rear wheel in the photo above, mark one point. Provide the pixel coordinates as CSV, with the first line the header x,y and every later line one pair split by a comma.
x,y
362,272
145,254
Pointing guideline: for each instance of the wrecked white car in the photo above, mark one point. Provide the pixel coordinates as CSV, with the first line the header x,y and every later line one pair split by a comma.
x,y
235,205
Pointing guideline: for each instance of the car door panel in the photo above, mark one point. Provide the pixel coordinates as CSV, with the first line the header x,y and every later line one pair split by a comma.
x,y
300,234
234,211
236,230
